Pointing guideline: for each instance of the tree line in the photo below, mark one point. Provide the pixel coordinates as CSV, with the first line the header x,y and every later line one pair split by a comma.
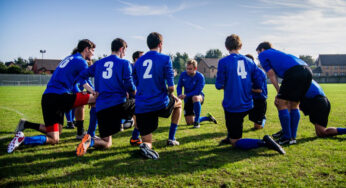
x,y
178,60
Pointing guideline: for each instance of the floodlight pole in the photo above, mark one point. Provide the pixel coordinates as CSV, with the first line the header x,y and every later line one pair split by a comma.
x,y
42,52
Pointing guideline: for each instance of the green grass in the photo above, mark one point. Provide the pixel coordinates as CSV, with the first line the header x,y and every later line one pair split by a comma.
x,y
198,161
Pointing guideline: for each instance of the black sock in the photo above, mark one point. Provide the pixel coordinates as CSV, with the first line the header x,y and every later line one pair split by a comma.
x,y
80,128
29,125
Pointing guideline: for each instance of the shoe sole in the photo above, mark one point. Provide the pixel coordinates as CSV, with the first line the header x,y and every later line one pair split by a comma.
x,y
13,144
135,143
80,148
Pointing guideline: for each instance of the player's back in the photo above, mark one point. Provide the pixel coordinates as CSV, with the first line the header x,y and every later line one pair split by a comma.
x,y
64,76
236,74
264,94
151,73
279,61
314,90
112,79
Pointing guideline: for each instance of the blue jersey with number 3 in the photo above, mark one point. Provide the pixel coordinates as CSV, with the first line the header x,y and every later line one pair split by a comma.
x,y
113,78
237,75
65,75
152,72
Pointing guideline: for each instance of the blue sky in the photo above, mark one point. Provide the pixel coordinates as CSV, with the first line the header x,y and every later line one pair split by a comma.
x,y
299,27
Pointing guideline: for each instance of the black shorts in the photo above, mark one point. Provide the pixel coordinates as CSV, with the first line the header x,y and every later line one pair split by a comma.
x,y
258,113
234,123
295,83
109,119
55,105
149,121
188,106
317,108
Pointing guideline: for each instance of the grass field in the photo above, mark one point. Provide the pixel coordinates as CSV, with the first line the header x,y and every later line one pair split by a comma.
x,y
198,161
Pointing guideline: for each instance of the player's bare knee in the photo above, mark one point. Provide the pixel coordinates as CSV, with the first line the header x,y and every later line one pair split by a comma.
x,y
108,145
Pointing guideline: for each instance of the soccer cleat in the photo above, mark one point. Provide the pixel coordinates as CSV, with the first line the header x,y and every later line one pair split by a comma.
x,y
293,141
278,135
225,141
80,137
136,142
20,126
128,123
211,118
271,144
196,125
69,125
147,152
84,145
172,143
15,142
284,141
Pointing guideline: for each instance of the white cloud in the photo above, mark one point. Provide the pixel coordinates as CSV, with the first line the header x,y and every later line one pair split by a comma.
x,y
137,37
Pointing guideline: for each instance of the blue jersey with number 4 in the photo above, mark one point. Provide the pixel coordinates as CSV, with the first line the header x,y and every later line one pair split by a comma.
x,y
237,75
113,78
279,61
65,75
152,72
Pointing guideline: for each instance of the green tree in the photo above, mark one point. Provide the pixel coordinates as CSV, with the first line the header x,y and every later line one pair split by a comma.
x,y
308,59
15,69
179,61
23,63
198,57
3,68
213,53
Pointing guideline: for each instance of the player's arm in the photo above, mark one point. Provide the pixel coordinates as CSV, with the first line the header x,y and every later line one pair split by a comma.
x,y
180,87
127,78
220,76
273,78
199,87
83,78
169,75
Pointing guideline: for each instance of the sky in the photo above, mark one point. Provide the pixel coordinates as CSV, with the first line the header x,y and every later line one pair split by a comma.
x,y
298,27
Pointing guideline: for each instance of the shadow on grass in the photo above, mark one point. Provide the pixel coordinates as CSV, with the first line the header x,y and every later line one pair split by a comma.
x,y
177,160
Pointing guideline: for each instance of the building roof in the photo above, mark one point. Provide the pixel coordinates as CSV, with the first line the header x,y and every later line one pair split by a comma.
x,y
332,59
48,64
210,62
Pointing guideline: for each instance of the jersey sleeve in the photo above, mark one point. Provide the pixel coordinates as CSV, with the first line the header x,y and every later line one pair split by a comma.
x,y
169,73
127,77
199,87
220,76
180,85
257,78
83,76
265,63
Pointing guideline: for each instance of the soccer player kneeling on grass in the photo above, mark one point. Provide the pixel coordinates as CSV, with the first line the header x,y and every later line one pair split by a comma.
x,y
193,83
113,79
316,105
151,73
258,113
237,75
58,99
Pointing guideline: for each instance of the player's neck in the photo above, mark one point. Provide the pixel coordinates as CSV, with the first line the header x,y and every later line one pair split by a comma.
x,y
157,49
117,54
234,52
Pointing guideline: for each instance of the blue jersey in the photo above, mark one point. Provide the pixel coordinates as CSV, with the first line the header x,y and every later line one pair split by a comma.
x,y
113,78
279,61
65,75
314,90
193,85
152,72
237,75
264,94
79,88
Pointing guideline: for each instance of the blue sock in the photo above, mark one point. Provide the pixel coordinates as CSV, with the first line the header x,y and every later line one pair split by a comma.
x,y
92,122
92,142
201,119
135,133
197,110
172,131
285,119
249,143
341,131
295,117
35,140
123,121
69,116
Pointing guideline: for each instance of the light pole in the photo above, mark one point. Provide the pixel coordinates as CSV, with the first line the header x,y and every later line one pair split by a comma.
x,y
42,52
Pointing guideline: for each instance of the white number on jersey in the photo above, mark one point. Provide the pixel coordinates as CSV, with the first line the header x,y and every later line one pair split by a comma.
x,y
241,69
147,63
109,71
65,62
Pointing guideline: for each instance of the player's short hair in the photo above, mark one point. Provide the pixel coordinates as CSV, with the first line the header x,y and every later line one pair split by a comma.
x,y
233,42
117,44
82,44
154,39
136,54
192,62
264,45
250,56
